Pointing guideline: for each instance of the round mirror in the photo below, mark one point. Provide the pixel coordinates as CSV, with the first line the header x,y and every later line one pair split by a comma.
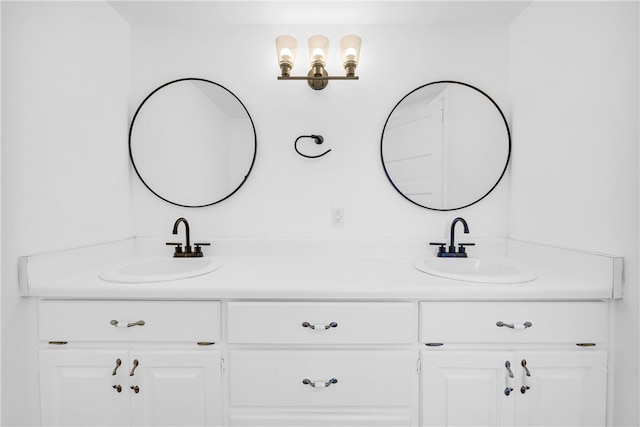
x,y
445,145
192,142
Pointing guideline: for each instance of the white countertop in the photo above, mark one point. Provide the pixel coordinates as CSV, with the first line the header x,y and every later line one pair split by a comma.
x,y
280,274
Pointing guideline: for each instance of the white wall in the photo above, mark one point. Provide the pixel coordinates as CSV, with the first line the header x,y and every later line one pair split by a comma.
x,y
65,176
574,177
66,180
286,195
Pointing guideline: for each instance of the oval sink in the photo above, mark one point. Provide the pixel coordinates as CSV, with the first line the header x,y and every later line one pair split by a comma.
x,y
480,270
143,270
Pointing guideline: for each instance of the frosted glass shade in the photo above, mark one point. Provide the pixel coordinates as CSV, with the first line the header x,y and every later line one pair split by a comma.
x,y
350,52
318,50
350,48
286,47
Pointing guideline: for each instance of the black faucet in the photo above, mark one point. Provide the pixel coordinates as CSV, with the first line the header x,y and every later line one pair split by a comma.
x,y
187,253
187,247
451,253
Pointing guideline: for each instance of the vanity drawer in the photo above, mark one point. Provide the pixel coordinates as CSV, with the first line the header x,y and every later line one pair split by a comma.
x,y
371,378
176,321
551,322
322,322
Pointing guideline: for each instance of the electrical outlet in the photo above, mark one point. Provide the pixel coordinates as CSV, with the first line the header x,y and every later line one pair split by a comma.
x,y
337,216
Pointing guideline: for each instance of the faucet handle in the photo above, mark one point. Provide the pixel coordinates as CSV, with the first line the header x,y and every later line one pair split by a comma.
x,y
198,249
461,246
440,249
177,245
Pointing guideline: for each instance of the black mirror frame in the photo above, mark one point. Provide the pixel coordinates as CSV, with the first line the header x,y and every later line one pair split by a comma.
x,y
255,142
505,165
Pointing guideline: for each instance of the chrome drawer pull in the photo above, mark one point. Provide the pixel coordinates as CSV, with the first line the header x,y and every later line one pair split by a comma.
x,y
127,325
310,326
319,383
524,325
510,379
526,381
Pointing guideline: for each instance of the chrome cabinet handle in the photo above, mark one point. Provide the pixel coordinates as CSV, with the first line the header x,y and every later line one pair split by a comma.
x,y
319,383
526,381
524,325
117,387
128,325
133,370
510,379
311,326
115,370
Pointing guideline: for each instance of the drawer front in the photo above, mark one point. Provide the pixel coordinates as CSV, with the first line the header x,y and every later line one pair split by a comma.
x,y
551,322
371,378
328,323
321,419
177,321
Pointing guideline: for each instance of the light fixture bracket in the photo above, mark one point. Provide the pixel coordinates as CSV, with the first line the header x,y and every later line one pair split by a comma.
x,y
318,82
315,83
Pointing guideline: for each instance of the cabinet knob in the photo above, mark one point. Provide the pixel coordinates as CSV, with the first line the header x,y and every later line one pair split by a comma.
x,y
135,389
311,326
319,384
118,388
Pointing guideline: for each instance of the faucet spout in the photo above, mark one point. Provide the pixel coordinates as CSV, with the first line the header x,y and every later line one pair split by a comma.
x,y
186,227
452,247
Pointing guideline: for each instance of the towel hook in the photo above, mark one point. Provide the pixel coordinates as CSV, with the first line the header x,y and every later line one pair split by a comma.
x,y
318,139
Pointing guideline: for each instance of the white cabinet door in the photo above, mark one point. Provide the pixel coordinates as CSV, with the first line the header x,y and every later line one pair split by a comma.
x,y
467,388
566,388
78,388
119,387
176,388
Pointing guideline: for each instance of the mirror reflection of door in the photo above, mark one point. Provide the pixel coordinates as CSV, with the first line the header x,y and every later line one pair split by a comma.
x,y
445,145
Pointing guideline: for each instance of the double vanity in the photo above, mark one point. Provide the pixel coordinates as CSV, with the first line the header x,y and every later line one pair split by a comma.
x,y
280,333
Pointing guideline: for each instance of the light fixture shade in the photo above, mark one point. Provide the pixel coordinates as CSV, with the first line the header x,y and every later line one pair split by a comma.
x,y
350,52
286,47
318,50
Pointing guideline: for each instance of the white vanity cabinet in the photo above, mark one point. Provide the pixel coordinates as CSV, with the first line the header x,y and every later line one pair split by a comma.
x,y
322,363
130,363
513,363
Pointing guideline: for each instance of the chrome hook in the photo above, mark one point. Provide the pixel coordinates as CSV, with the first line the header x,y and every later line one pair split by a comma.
x,y
318,139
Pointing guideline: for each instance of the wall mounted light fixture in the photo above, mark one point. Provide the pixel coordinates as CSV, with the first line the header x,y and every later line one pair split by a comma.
x,y
318,78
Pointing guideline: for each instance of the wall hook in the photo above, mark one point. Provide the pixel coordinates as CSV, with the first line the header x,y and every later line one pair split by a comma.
x,y
318,139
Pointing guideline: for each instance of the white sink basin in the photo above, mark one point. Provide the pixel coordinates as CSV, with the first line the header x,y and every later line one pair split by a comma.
x,y
159,269
480,270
